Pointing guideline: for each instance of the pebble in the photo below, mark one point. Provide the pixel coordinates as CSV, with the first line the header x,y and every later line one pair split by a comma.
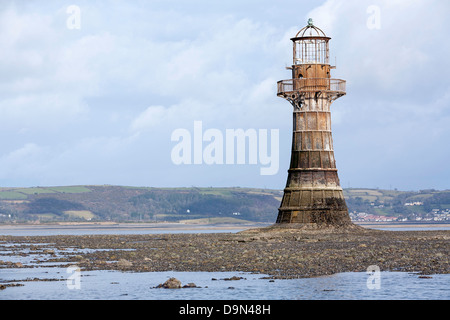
x,y
291,253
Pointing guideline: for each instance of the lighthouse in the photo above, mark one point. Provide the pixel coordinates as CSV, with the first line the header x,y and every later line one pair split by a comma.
x,y
313,193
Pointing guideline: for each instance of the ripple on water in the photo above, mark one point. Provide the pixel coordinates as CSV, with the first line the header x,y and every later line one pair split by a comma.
x,y
129,285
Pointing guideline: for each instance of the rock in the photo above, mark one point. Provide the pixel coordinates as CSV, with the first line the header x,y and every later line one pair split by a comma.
x,y
124,263
3,287
172,283
233,278
18,265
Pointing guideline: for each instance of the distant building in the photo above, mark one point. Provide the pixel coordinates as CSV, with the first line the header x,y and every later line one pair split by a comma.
x,y
416,203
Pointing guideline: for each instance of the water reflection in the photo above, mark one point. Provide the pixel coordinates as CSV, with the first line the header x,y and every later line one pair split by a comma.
x,y
128,285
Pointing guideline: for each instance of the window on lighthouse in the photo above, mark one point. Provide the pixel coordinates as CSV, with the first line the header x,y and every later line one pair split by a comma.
x,y
310,51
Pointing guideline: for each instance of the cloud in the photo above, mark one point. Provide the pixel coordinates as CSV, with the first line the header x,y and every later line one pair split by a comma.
x,y
394,58
23,164
392,114
133,73
151,117
46,77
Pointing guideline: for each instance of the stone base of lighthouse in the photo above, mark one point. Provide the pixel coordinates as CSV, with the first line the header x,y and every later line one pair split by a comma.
x,y
318,206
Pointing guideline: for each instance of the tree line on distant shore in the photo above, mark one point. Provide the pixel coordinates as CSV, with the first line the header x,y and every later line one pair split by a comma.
x,y
116,203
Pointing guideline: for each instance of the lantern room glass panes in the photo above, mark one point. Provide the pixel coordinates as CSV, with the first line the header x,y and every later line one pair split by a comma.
x,y
311,51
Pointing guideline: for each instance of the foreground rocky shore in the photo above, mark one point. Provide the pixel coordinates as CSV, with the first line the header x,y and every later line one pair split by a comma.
x,y
292,252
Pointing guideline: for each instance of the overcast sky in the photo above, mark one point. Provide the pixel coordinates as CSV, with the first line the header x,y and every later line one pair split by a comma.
x,y
95,100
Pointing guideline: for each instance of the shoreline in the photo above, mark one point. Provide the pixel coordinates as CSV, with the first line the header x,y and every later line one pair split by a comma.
x,y
224,225
411,224
160,226
280,253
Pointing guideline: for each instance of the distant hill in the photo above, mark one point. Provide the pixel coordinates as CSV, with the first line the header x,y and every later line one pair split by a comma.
x,y
122,203
411,205
119,203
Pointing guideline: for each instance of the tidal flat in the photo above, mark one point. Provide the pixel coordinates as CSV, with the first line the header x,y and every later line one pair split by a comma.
x,y
280,253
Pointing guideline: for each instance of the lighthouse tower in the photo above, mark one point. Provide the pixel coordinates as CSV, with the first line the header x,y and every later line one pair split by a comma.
x,y
313,193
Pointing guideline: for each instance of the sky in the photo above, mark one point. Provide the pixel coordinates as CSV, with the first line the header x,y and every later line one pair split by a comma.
x,y
93,92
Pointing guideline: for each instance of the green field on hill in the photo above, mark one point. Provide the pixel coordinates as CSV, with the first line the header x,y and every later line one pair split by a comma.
x,y
128,203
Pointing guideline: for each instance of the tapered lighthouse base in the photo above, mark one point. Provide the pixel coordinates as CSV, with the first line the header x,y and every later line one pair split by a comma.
x,y
328,211
323,205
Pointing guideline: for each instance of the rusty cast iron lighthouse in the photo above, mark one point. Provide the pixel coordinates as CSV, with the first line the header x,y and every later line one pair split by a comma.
x,y
313,193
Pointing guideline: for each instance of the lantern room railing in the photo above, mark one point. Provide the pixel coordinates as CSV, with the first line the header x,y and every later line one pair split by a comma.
x,y
291,86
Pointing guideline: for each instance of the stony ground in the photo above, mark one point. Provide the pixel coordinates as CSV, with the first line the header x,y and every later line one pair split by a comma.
x,y
279,252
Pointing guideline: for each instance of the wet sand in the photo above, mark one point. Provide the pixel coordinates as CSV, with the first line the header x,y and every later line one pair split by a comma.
x,y
280,252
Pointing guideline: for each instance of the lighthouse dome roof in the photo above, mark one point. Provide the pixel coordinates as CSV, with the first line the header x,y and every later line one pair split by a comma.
x,y
310,31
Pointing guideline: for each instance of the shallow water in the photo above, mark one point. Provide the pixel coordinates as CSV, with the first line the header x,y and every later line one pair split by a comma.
x,y
412,228
148,228
106,230
119,285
